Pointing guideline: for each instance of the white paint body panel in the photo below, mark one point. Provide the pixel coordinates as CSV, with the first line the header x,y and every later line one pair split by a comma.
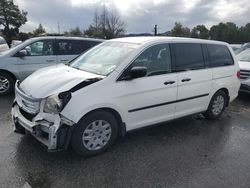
x,y
123,96
200,84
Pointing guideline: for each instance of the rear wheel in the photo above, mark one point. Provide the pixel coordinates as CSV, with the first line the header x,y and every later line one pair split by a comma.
x,y
217,105
6,83
95,133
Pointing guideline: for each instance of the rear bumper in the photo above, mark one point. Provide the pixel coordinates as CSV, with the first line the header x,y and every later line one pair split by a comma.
x,y
48,129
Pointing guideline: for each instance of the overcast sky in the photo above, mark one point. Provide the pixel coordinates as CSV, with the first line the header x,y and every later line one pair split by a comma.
x,y
139,15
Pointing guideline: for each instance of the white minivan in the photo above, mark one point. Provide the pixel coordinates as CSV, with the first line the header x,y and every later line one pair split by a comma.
x,y
125,84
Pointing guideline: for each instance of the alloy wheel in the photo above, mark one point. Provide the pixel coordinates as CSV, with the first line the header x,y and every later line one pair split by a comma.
x,y
4,84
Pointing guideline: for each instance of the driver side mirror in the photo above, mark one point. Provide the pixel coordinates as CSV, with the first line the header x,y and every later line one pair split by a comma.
x,y
138,72
22,53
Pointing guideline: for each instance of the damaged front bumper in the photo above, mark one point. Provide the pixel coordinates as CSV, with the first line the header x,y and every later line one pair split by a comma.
x,y
53,130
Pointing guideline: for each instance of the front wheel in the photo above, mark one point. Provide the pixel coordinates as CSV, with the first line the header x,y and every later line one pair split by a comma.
x,y
95,133
217,105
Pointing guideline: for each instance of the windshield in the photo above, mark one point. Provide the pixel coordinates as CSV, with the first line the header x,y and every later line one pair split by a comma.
x,y
244,56
104,58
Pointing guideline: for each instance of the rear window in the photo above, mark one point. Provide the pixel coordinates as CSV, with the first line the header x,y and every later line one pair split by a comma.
x,y
219,55
188,56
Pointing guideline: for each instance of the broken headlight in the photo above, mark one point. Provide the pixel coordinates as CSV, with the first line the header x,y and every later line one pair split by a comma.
x,y
55,103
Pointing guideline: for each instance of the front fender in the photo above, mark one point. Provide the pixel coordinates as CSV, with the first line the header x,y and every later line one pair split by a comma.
x,y
75,114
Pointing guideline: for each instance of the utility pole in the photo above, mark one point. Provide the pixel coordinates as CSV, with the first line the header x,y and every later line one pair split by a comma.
x,y
155,29
58,24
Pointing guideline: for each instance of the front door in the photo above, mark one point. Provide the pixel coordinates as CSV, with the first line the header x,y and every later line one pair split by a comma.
x,y
150,99
39,54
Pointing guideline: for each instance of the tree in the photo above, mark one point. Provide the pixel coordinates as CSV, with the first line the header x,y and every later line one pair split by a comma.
x,y
200,31
244,33
11,18
24,36
227,32
40,30
106,25
76,32
180,31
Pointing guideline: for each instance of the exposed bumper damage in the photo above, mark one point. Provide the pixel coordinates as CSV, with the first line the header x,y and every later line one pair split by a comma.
x,y
54,131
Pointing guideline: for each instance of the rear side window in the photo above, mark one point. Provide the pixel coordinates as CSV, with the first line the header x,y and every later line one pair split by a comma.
x,y
188,56
74,47
219,55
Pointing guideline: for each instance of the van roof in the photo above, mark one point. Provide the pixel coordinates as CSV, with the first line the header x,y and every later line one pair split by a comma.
x,y
142,40
65,38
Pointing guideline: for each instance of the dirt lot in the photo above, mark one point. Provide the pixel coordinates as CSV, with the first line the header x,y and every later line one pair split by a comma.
x,y
191,152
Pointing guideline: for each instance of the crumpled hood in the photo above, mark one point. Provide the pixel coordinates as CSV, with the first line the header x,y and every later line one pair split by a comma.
x,y
52,80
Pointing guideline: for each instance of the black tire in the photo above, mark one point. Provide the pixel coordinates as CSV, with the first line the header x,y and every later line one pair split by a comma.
x,y
11,81
77,141
210,114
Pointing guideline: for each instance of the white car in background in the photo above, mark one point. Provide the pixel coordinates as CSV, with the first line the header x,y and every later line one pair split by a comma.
x,y
236,47
15,43
244,63
125,84
22,60
3,45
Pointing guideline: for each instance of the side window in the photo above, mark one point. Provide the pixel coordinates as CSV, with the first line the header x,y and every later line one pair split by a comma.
x,y
40,48
73,47
188,56
219,55
85,45
65,47
157,59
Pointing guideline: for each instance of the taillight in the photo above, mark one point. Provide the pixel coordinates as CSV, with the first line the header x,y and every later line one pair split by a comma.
x,y
238,74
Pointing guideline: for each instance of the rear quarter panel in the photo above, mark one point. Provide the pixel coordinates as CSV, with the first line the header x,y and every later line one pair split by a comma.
x,y
226,77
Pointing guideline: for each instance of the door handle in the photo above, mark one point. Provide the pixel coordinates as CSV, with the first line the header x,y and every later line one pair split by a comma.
x,y
186,79
169,82
50,60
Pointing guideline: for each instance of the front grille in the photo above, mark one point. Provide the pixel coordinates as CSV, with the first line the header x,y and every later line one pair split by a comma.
x,y
27,103
27,115
244,74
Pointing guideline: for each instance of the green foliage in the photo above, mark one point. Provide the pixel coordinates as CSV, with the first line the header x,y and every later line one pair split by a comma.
x,y
11,18
76,32
200,31
24,36
40,30
180,31
227,32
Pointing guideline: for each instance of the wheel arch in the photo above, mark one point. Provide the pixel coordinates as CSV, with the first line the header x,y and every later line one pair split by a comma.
x,y
226,91
10,73
121,124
